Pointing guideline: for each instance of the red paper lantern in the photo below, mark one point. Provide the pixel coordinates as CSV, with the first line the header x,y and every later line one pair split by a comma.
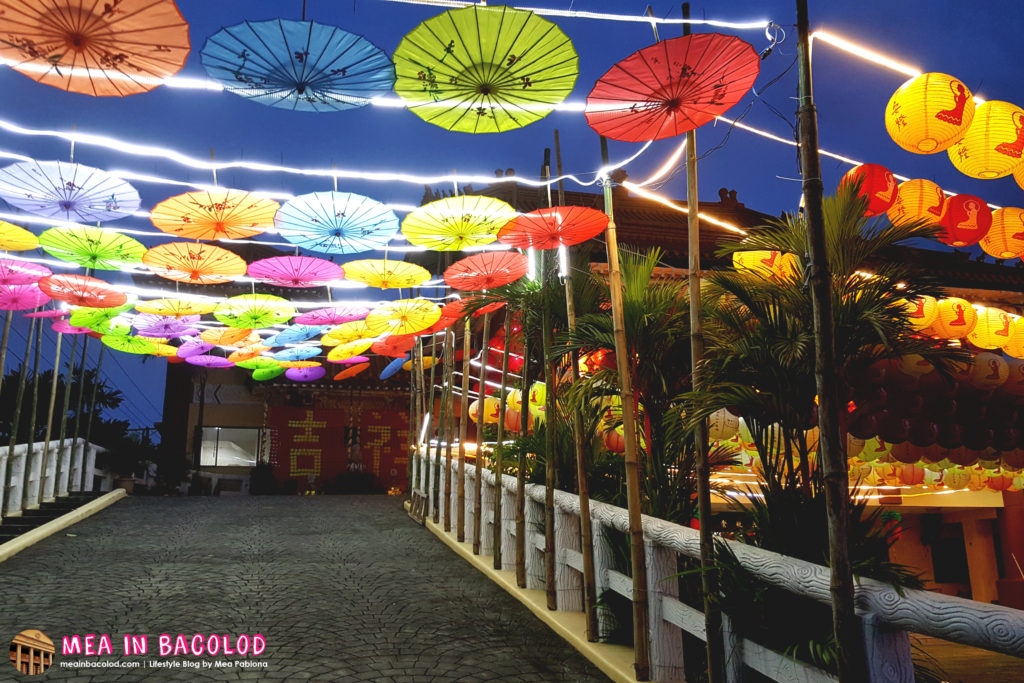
x,y
877,185
965,219
615,441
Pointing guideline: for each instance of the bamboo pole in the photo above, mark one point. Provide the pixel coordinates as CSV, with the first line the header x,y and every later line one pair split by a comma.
x,y
92,399
435,417
412,471
32,415
460,512
68,379
16,418
845,623
524,426
78,409
482,394
499,457
3,344
449,425
714,643
638,562
550,437
49,416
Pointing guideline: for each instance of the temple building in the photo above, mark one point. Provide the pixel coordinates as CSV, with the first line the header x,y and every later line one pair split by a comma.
x,y
32,652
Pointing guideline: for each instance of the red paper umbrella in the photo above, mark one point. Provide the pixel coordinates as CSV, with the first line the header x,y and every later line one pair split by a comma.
x,y
352,371
82,290
395,346
672,87
486,270
295,271
553,227
456,309
442,323
21,297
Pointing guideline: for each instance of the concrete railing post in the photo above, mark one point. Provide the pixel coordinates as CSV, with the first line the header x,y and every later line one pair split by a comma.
x,y
90,466
431,479
888,652
487,515
442,485
35,466
733,651
77,462
50,475
602,564
508,530
64,474
16,482
534,515
568,580
666,638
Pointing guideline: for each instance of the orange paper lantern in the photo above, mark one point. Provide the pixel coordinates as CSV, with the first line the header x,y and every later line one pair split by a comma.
x,y
993,329
929,113
877,185
1015,346
966,219
1005,238
993,144
917,200
955,320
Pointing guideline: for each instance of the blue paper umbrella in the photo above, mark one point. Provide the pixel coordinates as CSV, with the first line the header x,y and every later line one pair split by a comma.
x,y
299,65
294,334
394,366
297,353
70,191
336,223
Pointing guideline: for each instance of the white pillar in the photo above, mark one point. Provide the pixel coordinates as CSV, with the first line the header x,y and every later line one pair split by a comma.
x,y
65,471
35,466
508,530
602,563
666,638
77,462
568,581
431,478
16,483
534,515
487,513
50,476
90,465
3,476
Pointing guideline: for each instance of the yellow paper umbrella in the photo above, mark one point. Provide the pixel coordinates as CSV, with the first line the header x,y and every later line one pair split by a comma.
x,y
428,362
215,214
454,223
404,316
345,332
164,350
254,311
348,350
385,274
175,307
299,364
13,238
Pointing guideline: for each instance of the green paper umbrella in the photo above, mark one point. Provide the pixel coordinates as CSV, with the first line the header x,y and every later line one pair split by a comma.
x,y
485,69
97,248
128,343
97,319
268,373
258,363
254,311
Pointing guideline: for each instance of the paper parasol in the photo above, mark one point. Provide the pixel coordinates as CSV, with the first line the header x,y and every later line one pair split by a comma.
x,y
254,311
428,362
394,345
457,309
553,227
64,327
198,264
305,374
298,65
70,191
208,361
346,332
486,270
343,352
175,307
672,87
14,272
96,319
128,343
257,363
404,316
295,271
294,334
164,350
247,353
386,274
484,69
263,374
21,297
147,324
194,347
352,360
442,323
13,238
332,316
49,313
224,336
393,367
95,248
82,290
298,363
454,223
214,214
101,49
352,371
297,353
336,223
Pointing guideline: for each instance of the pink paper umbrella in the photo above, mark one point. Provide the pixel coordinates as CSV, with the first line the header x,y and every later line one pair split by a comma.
x,y
353,360
64,327
21,272
150,325
52,313
332,316
193,347
305,374
207,361
295,271
21,297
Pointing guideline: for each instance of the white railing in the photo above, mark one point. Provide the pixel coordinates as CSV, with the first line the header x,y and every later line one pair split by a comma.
x,y
20,473
887,616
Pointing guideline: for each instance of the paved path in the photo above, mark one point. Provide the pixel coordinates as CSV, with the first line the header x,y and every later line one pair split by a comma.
x,y
343,588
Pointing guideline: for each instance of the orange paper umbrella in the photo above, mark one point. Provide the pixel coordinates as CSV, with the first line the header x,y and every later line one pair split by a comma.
x,y
247,353
395,346
346,332
13,238
454,223
386,274
442,323
486,270
553,227
352,371
199,264
404,316
298,364
82,290
175,307
225,336
343,352
215,214
457,309
95,48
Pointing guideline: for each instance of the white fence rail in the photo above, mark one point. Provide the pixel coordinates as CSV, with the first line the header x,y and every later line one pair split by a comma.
x,y
21,470
887,615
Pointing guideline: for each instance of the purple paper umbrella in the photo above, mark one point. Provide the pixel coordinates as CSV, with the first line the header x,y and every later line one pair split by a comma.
x,y
14,272
332,316
52,313
21,297
207,361
305,374
64,327
150,325
295,271
193,347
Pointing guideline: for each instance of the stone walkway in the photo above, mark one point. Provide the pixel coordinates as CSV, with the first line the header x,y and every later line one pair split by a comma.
x,y
343,588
